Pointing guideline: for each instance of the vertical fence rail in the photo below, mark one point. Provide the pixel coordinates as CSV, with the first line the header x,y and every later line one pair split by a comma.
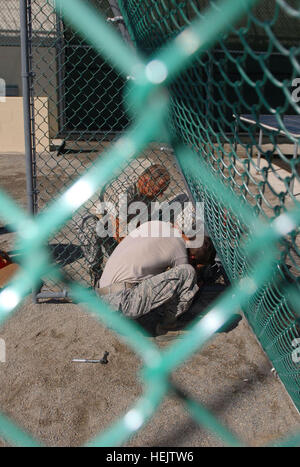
x,y
26,73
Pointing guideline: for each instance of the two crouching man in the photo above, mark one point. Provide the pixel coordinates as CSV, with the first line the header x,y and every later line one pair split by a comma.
x,y
154,268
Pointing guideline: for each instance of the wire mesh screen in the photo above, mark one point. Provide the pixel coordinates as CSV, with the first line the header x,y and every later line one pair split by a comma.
x,y
193,94
240,87
9,23
77,108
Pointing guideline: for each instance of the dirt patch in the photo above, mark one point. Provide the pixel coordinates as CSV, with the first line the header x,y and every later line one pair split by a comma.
x,y
65,404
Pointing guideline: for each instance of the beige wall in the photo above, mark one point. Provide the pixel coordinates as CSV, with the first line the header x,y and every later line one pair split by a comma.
x,y
46,80
12,125
10,66
45,68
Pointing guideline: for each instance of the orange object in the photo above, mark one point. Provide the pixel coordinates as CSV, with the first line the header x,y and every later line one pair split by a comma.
x,y
117,235
154,181
4,259
7,273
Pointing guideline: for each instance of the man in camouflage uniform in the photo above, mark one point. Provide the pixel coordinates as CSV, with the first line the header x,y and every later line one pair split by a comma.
x,y
150,185
147,271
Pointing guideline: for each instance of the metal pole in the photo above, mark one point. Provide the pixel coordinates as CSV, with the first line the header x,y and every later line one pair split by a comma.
x,y
30,180
260,140
292,183
26,106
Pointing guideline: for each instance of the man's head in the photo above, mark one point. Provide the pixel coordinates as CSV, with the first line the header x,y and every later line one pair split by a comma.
x,y
153,181
203,255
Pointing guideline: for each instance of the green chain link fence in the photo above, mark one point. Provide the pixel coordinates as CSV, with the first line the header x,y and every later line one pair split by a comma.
x,y
247,75
193,85
250,72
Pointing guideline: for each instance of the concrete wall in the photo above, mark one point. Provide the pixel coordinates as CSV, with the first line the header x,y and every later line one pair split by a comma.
x,y
45,69
45,84
10,66
12,125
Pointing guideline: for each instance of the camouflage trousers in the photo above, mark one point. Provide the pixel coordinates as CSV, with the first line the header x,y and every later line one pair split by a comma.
x,y
175,289
96,250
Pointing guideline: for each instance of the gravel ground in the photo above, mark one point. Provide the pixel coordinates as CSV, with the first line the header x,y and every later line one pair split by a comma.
x,y
65,404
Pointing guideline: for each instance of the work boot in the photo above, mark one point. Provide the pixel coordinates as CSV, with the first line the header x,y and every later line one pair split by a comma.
x,y
168,328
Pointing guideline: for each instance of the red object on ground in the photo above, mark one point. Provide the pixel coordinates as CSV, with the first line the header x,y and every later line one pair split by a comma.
x,y
4,259
7,268
7,273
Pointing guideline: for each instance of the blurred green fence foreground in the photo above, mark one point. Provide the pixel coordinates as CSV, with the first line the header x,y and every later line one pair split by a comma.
x,y
186,93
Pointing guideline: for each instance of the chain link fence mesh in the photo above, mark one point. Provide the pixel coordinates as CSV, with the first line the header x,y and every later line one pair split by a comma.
x,y
77,101
215,73
9,23
250,72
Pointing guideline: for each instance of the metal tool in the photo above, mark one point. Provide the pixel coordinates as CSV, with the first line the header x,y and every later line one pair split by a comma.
x,y
103,360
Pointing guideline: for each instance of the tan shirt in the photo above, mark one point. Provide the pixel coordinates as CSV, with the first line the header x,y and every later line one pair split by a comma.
x,y
147,251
